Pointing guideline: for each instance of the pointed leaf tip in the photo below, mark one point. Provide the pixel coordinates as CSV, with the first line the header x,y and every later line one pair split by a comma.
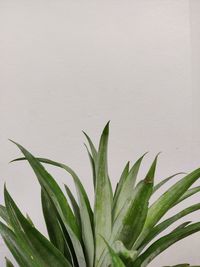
x,y
106,128
151,173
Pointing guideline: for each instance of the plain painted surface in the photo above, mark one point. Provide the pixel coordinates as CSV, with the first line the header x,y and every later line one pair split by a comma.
x,y
72,65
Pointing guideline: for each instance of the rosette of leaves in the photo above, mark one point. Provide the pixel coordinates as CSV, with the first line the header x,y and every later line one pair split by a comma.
x,y
121,230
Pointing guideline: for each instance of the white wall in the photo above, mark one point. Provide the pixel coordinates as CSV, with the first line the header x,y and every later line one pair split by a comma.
x,y
72,65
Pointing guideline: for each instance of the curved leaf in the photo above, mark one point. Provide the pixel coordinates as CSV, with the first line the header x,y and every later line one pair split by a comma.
x,y
165,202
54,228
164,242
58,198
166,223
157,186
42,249
17,247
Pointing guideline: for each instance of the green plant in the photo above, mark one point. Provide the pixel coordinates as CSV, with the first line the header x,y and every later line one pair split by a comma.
x,y
116,233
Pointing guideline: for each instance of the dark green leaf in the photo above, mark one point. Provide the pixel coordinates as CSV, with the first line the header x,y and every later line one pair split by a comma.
x,y
60,202
166,223
164,242
18,248
165,202
41,248
156,187
54,228
9,263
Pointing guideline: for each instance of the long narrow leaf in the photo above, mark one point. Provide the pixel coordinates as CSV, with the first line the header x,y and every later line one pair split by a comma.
x,y
123,176
85,210
166,223
54,229
165,202
58,198
134,219
92,146
131,218
164,242
4,214
163,182
74,204
103,197
92,163
17,248
125,187
47,254
188,194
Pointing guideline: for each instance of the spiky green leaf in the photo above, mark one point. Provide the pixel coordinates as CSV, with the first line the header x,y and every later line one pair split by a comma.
x,y
163,243
41,248
165,202
103,197
163,182
58,198
166,223
125,187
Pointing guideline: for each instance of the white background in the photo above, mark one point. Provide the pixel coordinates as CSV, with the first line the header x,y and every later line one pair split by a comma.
x,y
67,66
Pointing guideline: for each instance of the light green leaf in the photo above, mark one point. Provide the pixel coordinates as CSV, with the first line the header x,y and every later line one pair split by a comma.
x,y
128,256
92,147
4,214
74,204
132,219
118,188
103,197
125,188
92,163
115,259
